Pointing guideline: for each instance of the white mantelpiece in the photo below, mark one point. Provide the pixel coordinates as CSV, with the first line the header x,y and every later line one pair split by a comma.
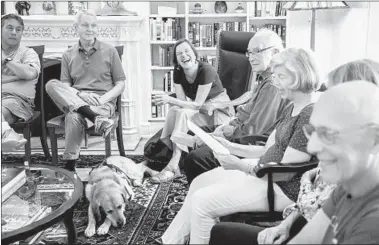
x,y
57,33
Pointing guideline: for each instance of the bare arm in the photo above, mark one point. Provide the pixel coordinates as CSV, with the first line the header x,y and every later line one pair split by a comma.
x,y
314,231
113,93
8,79
201,96
23,71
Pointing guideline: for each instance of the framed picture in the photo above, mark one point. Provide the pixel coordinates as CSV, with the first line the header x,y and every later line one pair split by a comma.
x,y
76,7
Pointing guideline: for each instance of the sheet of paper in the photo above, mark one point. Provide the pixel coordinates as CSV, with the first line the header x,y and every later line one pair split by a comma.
x,y
207,139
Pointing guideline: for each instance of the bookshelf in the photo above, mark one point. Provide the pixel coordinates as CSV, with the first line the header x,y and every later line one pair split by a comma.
x,y
170,21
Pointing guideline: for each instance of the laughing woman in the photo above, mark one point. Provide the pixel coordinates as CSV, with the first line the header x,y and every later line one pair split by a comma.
x,y
195,83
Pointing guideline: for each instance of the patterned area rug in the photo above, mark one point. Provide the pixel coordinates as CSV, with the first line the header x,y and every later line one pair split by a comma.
x,y
149,215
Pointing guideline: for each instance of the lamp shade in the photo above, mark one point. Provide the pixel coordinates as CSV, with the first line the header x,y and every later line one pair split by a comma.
x,y
314,5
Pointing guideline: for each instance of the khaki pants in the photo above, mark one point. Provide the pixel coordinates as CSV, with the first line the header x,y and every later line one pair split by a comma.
x,y
74,123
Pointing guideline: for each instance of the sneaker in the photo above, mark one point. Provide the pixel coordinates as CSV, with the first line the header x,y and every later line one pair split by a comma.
x,y
104,125
11,141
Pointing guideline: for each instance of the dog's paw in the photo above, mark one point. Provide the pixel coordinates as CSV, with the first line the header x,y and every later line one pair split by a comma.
x,y
90,231
103,229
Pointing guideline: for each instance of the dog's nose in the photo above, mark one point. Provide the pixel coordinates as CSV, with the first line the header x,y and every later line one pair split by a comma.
x,y
120,223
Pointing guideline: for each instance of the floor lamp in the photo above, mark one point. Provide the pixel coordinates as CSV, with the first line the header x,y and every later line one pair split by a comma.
x,y
313,6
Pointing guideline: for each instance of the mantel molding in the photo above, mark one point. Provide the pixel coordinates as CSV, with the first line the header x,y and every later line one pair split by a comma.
x,y
52,27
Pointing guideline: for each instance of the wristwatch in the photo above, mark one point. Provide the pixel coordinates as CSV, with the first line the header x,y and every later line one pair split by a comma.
x,y
6,60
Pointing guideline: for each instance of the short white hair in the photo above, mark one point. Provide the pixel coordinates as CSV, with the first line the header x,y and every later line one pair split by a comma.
x,y
265,38
303,65
83,12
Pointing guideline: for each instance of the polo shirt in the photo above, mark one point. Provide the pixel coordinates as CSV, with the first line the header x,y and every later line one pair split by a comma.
x,y
96,70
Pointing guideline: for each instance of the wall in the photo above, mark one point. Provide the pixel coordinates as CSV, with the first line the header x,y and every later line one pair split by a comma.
x,y
342,35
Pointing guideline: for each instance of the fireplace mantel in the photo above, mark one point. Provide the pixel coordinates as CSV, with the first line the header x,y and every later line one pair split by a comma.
x,y
56,32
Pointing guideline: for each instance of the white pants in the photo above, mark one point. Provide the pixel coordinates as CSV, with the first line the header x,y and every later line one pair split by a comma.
x,y
218,193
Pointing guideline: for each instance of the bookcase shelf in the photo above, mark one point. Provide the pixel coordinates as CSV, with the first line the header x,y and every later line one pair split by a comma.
x,y
161,68
201,29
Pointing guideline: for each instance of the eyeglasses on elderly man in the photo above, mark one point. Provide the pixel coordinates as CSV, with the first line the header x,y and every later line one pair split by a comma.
x,y
256,51
329,136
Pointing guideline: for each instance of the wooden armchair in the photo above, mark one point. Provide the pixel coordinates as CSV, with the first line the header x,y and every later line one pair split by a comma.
x,y
39,112
260,171
53,128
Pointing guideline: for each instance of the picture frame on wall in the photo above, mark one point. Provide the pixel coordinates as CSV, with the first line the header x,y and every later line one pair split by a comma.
x,y
74,7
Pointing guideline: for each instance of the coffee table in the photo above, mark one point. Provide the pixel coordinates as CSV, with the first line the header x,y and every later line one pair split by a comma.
x,y
49,190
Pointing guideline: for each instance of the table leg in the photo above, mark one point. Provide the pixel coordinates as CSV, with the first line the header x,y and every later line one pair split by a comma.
x,y
70,226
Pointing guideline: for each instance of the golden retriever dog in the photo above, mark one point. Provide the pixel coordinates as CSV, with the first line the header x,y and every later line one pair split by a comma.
x,y
109,192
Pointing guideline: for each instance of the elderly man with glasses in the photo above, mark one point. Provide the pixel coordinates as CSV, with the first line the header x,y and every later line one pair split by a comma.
x,y
258,116
92,78
20,67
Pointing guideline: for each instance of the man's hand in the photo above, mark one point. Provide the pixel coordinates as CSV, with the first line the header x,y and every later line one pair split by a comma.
x,y
224,131
230,162
160,99
91,98
273,235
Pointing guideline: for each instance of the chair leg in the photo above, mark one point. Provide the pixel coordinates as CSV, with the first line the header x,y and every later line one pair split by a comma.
x,y
108,146
43,138
54,145
120,140
28,149
85,140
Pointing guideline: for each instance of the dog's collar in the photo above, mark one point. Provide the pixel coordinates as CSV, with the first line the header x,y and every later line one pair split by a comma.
x,y
117,170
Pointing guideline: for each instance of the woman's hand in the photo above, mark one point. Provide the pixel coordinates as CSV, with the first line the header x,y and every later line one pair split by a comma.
x,y
91,98
230,162
160,99
309,175
273,235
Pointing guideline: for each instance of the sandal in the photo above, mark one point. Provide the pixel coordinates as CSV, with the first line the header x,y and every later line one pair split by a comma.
x,y
165,175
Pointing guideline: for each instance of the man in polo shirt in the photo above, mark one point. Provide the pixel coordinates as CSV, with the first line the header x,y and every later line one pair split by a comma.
x,y
20,67
92,78
257,116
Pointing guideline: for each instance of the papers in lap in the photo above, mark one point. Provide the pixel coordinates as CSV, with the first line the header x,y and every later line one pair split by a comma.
x,y
207,139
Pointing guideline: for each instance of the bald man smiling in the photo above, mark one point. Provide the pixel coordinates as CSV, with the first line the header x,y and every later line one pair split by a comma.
x,y
344,134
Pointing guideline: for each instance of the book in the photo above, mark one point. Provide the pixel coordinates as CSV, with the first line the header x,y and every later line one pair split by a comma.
x,y
208,139
11,180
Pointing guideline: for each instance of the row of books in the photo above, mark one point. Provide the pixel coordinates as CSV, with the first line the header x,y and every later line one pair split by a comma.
x,y
205,35
165,55
164,29
158,111
168,82
11,180
211,59
266,9
280,29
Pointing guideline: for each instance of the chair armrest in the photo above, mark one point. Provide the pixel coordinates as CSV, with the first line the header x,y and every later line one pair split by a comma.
x,y
262,169
254,139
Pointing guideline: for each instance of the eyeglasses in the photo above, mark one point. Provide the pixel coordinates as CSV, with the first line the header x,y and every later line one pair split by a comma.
x,y
11,29
327,135
256,51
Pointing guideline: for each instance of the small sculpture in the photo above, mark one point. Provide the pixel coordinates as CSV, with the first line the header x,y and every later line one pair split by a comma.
x,y
239,8
49,7
197,9
116,8
23,7
221,7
